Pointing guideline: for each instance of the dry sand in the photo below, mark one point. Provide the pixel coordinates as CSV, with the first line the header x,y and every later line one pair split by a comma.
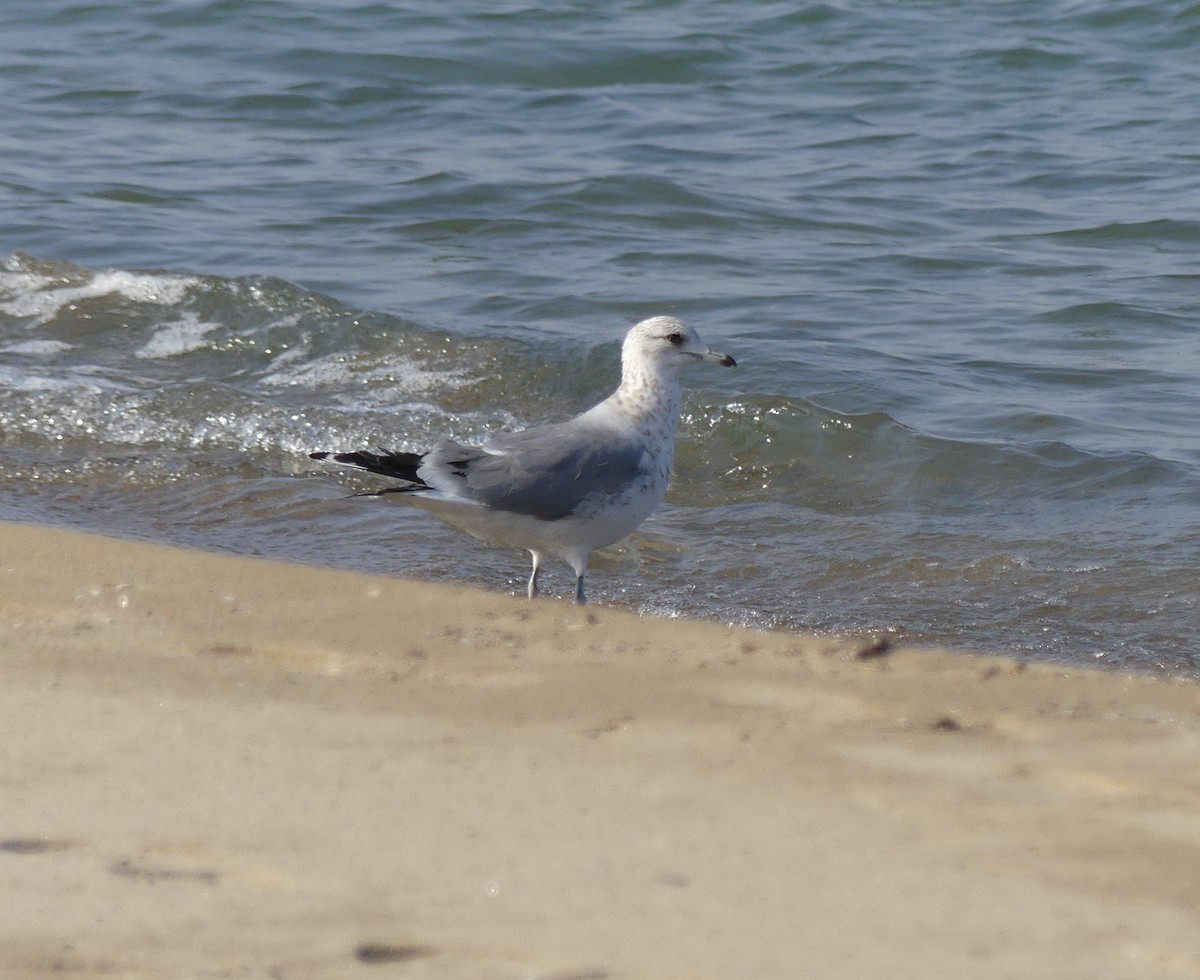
x,y
220,767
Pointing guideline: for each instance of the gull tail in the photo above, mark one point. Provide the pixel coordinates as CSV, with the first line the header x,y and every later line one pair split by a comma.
x,y
400,466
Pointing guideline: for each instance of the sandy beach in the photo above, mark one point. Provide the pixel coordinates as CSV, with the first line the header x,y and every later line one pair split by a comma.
x,y
223,767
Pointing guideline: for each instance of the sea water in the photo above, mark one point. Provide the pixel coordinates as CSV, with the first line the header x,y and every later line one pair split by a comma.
x,y
955,249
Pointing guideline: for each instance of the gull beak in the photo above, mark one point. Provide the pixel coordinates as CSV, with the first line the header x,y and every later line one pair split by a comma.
x,y
718,358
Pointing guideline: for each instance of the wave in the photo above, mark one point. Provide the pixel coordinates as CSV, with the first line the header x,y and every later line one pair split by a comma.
x,y
121,362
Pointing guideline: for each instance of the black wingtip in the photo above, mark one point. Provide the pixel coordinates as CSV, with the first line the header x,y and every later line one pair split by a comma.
x,y
401,466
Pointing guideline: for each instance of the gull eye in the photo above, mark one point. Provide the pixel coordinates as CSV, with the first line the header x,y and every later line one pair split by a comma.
x,y
675,338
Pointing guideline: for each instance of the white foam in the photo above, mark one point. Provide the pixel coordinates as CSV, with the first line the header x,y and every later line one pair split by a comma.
x,y
35,296
176,337
17,282
381,380
38,348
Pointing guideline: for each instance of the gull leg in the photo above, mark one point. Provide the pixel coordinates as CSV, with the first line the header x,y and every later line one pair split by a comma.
x,y
578,560
580,567
533,586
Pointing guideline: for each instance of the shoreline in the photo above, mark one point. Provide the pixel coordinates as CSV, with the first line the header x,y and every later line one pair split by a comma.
x,y
232,766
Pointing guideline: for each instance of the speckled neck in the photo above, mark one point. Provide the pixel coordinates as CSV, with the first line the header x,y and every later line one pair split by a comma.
x,y
649,398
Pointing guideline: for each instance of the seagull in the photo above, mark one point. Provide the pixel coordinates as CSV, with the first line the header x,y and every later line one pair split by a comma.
x,y
567,488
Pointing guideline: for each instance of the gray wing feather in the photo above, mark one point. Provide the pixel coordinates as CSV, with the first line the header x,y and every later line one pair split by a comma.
x,y
545,472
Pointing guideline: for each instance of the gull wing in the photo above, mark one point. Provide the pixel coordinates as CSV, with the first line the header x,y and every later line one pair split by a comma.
x,y
545,472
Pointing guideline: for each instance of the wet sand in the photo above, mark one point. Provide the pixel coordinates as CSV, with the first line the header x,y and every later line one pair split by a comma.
x,y
221,767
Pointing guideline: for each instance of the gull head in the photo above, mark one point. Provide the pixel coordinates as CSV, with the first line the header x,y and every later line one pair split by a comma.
x,y
666,344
